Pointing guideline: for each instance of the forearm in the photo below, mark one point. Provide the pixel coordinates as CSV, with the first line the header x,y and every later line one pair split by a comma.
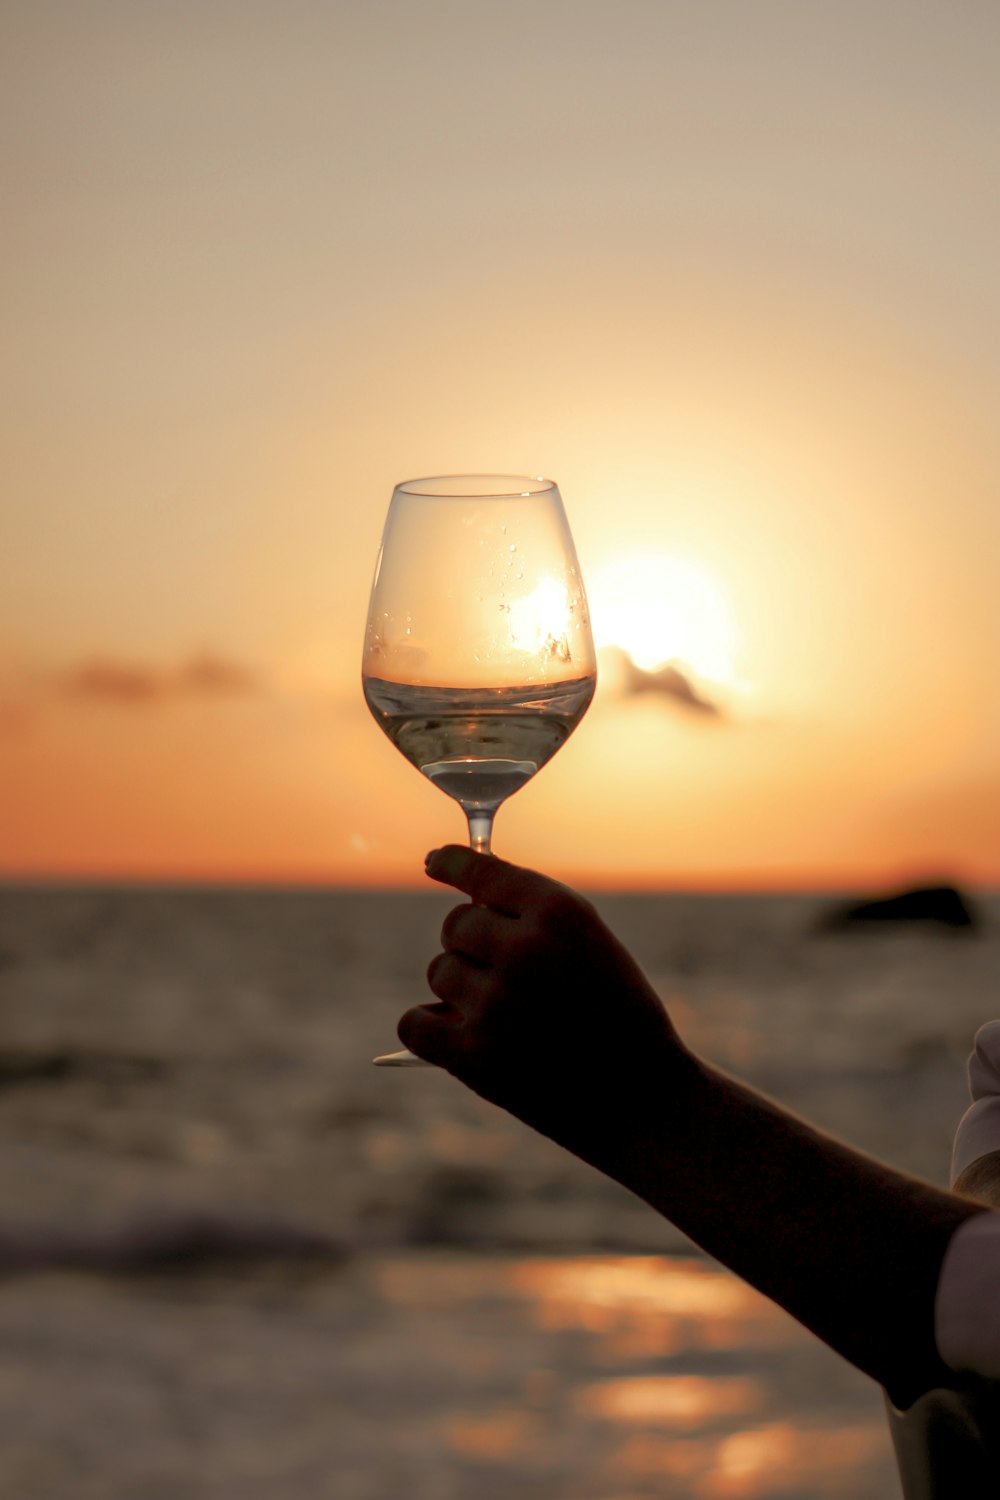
x,y
543,1012
848,1246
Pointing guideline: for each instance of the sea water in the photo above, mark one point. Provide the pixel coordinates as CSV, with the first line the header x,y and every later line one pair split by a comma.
x,y
356,1281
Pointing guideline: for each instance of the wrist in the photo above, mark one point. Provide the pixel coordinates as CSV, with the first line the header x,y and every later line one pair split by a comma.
x,y
629,1117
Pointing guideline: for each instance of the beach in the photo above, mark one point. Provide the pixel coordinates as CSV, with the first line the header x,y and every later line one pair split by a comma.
x,y
238,1260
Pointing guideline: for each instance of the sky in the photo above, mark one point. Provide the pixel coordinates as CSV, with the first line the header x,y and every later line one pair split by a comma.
x,y
726,272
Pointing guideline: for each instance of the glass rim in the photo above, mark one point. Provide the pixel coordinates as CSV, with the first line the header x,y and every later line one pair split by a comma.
x,y
477,486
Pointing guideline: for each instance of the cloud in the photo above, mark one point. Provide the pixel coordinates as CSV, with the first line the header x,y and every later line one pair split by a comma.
x,y
130,683
111,682
214,675
669,682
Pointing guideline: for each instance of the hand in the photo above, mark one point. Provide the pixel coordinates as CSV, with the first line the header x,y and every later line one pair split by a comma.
x,y
541,1010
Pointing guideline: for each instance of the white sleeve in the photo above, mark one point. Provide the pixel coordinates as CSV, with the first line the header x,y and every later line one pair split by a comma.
x,y
979,1128
967,1304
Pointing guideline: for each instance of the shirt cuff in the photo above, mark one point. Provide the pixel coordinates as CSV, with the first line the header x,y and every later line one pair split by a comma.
x,y
967,1304
978,1132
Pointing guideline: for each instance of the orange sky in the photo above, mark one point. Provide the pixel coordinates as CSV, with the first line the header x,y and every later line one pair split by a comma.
x,y
726,273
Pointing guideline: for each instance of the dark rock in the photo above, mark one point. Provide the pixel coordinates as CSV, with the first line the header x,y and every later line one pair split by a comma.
x,y
939,905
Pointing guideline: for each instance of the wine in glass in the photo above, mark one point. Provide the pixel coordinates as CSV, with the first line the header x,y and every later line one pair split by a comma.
x,y
478,658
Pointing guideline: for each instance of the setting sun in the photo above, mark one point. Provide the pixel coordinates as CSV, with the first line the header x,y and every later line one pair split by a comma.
x,y
252,288
662,608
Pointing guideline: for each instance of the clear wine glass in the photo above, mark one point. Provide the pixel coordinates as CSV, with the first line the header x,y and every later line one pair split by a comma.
x,y
478,658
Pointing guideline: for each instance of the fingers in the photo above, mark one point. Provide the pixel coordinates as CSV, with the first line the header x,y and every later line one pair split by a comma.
x,y
477,933
461,985
428,1031
489,881
439,1032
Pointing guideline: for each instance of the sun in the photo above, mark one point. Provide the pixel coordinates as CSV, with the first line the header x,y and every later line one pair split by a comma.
x,y
662,608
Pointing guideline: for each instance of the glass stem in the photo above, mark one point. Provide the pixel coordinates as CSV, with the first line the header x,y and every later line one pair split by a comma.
x,y
480,828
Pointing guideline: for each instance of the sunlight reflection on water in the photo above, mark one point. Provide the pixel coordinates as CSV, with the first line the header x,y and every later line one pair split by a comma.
x,y
687,1401
661,1376
776,1460
779,1459
648,1306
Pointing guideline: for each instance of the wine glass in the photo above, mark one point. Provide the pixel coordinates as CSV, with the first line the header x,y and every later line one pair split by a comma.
x,y
478,659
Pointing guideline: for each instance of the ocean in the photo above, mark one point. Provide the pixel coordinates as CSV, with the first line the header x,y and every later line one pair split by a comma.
x,y
238,1260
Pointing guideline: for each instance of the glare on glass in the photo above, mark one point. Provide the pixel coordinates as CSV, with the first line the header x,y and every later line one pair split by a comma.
x,y
478,658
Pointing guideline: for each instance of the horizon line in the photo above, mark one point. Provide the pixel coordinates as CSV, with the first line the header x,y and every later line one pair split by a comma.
x,y
816,883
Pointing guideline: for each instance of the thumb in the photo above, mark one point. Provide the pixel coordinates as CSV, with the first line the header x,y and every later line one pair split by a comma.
x,y
428,1031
